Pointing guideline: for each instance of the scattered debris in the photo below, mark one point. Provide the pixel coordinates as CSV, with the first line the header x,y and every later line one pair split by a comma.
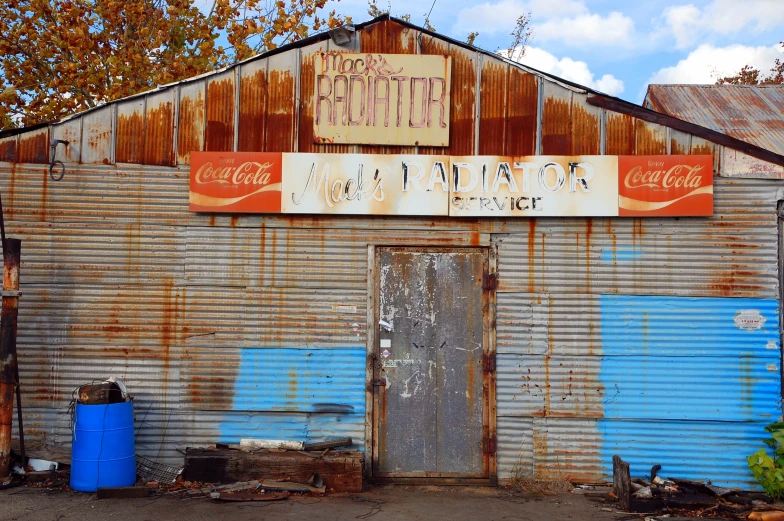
x,y
683,500
252,444
149,470
291,486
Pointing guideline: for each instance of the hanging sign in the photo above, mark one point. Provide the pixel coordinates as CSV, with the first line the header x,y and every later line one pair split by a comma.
x,y
386,99
455,186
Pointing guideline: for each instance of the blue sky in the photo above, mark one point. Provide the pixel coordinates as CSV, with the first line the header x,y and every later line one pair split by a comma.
x,y
614,46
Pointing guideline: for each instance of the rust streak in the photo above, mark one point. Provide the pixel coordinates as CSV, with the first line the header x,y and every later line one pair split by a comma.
x,y
531,259
585,132
555,127
253,114
35,148
159,135
130,135
190,133
521,105
463,99
619,138
492,119
220,115
8,150
280,112
650,139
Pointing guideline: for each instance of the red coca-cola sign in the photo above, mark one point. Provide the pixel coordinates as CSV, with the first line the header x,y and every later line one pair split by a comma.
x,y
235,182
665,185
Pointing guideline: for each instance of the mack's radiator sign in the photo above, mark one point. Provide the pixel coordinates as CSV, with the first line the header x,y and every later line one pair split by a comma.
x,y
385,99
456,186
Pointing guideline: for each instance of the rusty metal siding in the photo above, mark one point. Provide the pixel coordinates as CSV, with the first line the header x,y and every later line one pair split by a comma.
x,y
731,254
586,122
97,129
307,85
494,103
8,149
130,131
253,106
619,135
609,331
522,106
221,90
463,107
282,114
159,128
136,194
191,121
556,120
70,131
33,147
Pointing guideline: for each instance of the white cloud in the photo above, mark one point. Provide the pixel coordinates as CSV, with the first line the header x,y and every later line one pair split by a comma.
x,y
689,24
499,17
572,70
613,29
706,62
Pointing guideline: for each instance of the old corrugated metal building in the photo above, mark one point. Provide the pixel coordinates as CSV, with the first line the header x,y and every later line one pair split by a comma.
x,y
613,335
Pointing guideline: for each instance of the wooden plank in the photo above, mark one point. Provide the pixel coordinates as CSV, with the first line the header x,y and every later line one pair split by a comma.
x,y
622,483
341,471
644,114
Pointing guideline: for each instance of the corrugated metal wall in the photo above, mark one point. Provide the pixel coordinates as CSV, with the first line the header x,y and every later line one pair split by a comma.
x,y
614,335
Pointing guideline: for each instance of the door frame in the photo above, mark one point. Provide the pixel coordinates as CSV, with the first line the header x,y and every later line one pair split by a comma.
x,y
489,385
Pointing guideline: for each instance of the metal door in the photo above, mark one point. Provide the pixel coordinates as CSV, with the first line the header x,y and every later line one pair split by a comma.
x,y
430,404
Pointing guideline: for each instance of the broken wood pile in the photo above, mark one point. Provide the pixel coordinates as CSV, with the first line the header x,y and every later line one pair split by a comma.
x,y
687,500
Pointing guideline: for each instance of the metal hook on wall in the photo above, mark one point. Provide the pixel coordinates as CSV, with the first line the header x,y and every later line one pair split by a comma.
x,y
53,152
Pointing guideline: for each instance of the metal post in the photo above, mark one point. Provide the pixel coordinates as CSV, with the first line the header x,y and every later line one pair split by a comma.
x,y
8,320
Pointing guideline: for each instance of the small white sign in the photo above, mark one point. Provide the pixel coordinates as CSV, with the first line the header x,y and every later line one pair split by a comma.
x,y
344,309
386,342
385,353
772,367
749,319
771,345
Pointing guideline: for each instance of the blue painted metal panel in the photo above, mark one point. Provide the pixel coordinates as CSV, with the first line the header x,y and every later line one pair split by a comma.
x,y
694,388
298,394
697,450
682,326
301,380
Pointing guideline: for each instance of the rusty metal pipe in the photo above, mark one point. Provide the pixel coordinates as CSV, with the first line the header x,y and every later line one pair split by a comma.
x,y
8,371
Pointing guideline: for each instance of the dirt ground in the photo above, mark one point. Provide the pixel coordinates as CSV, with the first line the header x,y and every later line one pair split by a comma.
x,y
379,504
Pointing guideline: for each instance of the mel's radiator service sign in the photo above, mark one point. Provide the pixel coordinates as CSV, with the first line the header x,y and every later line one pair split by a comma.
x,y
455,186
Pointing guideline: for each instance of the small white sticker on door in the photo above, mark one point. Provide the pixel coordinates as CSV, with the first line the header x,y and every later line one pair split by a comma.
x,y
385,353
386,342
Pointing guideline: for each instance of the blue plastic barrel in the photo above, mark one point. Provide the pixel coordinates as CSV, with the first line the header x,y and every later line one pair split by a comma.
x,y
103,452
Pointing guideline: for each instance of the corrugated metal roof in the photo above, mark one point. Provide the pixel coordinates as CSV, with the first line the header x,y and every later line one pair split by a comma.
x,y
751,113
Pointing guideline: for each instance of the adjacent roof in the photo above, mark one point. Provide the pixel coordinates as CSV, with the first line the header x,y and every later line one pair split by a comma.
x,y
754,114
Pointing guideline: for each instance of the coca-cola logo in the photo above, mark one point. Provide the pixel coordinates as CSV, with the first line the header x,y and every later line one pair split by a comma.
x,y
678,176
247,173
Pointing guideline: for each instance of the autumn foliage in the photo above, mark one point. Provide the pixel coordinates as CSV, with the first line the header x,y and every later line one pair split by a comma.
x,y
749,75
58,57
